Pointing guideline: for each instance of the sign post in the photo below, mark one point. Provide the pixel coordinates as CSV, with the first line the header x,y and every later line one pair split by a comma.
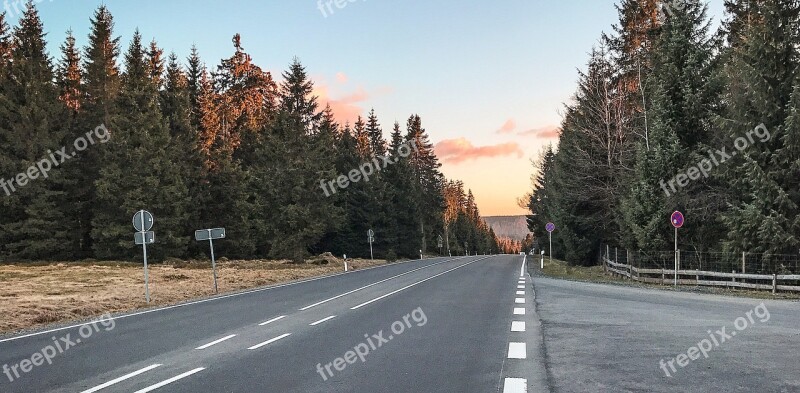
x,y
210,235
466,249
677,220
143,223
371,238
440,242
550,228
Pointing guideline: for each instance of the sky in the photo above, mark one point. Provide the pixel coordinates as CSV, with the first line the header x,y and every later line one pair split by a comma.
x,y
488,78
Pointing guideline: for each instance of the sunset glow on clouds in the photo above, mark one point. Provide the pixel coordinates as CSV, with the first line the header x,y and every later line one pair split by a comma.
x,y
347,104
455,151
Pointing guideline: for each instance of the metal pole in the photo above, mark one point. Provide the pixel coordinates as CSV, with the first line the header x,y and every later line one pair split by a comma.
x,y
213,261
371,256
676,256
551,246
144,250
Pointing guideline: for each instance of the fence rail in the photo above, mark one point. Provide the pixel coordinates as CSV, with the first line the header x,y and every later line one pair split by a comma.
x,y
784,276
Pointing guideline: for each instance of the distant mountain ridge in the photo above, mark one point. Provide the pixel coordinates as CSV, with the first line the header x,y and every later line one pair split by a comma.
x,y
513,227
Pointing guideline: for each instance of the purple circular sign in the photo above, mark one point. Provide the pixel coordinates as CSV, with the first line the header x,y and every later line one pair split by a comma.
x,y
677,219
550,227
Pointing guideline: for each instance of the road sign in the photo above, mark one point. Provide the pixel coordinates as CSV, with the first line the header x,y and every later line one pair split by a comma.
x,y
143,221
550,228
677,219
142,238
209,234
440,242
371,233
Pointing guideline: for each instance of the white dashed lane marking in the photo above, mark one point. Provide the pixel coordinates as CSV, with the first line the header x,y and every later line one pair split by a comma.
x,y
216,342
171,380
257,346
322,320
519,311
515,385
120,379
518,326
517,351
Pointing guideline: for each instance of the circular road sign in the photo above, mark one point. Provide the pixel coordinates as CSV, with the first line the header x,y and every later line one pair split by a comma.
x,y
143,221
677,219
550,227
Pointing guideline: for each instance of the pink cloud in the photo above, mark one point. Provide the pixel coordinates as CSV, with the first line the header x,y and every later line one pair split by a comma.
x,y
456,151
547,132
508,127
341,77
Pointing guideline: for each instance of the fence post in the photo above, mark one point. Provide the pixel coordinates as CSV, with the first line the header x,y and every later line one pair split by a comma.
x,y
663,277
734,279
744,262
774,283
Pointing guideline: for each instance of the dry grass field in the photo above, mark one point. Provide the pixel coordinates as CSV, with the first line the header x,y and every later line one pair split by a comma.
x,y
33,295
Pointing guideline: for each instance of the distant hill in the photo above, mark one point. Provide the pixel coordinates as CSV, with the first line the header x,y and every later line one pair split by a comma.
x,y
513,227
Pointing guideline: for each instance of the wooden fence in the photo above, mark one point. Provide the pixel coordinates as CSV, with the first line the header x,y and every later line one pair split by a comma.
x,y
773,282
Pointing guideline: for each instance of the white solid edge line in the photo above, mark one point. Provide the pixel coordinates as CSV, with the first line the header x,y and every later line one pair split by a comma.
x,y
171,380
257,346
517,326
257,290
519,300
322,320
522,268
517,351
519,311
120,379
515,385
371,285
416,283
216,342
272,320
522,293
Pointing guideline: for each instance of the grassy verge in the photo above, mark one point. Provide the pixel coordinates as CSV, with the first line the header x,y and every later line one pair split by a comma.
x,y
595,274
39,294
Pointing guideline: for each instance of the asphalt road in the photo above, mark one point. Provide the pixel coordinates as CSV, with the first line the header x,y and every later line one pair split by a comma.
x,y
437,325
466,324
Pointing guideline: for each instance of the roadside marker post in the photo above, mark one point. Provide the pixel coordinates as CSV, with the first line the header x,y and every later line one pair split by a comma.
x,y
345,262
371,238
211,235
143,223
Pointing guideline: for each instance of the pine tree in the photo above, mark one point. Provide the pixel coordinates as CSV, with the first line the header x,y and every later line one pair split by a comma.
x,y
155,64
404,215
69,75
31,125
428,181
760,76
101,85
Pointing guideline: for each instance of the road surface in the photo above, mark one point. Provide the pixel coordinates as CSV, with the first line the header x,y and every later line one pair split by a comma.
x,y
463,324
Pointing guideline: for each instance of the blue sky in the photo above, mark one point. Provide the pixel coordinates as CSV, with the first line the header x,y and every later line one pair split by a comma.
x,y
469,68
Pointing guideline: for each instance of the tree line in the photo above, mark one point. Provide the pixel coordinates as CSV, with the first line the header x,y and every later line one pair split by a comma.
x,y
199,147
670,115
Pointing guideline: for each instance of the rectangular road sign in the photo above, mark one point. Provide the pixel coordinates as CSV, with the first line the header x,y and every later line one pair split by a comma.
x,y
144,237
209,234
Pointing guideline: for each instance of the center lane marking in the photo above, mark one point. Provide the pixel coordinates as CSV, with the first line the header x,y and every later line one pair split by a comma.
x,y
171,380
414,284
257,346
120,379
322,320
373,284
216,342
